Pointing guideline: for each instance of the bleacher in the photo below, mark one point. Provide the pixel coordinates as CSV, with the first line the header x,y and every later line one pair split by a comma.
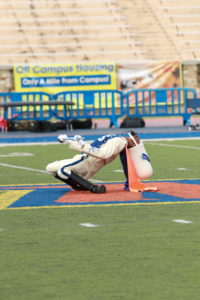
x,y
72,31
180,19
102,30
58,31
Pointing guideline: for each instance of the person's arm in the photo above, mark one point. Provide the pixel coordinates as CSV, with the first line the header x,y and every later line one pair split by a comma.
x,y
112,147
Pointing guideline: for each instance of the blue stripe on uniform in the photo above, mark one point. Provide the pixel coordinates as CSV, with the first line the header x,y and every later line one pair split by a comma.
x,y
72,164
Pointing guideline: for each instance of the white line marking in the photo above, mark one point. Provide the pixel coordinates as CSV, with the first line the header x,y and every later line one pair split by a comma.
x,y
96,180
118,171
14,154
182,221
181,169
175,146
28,144
88,225
56,143
22,168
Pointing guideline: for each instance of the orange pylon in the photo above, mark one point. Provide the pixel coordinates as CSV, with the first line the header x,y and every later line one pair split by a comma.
x,y
135,185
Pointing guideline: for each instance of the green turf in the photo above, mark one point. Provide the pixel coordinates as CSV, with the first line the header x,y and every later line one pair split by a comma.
x,y
137,252
165,161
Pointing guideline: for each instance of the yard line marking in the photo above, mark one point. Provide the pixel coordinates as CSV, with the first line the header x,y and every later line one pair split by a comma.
x,y
176,146
28,144
37,170
23,168
96,180
181,169
88,225
182,221
14,154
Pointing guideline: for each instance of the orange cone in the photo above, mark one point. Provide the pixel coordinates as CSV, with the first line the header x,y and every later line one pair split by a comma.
x,y
135,185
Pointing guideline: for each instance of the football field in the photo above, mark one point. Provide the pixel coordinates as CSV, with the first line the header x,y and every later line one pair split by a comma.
x,y
61,244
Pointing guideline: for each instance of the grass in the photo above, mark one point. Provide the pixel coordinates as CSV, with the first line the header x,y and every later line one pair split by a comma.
x,y
165,161
137,252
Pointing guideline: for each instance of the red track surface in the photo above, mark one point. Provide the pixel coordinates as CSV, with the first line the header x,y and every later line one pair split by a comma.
x,y
115,192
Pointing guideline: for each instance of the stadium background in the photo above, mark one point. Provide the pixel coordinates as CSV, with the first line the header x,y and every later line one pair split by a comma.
x,y
135,251
122,32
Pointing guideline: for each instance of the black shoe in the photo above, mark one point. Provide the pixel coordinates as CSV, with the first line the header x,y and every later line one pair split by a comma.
x,y
98,189
79,188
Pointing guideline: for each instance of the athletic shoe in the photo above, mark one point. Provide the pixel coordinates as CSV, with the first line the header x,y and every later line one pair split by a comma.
x,y
101,189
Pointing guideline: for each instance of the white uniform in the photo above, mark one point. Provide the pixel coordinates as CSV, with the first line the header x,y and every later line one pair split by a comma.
x,y
92,158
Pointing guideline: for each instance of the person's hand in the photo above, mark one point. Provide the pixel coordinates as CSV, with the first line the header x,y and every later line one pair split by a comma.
x,y
133,140
79,140
63,138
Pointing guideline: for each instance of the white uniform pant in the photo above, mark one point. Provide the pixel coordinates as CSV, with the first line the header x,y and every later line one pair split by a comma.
x,y
63,168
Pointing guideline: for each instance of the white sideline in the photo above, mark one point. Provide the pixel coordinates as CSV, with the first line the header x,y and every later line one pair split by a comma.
x,y
56,143
175,146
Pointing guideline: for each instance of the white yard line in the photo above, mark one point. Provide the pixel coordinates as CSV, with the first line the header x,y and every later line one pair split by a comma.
x,y
175,146
37,170
16,154
28,144
23,168
96,180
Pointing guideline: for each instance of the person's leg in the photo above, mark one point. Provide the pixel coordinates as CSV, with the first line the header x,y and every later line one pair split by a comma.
x,y
93,188
53,168
73,184
62,171
75,180
123,160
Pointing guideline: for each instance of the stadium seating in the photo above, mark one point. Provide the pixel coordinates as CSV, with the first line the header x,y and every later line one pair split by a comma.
x,y
102,30
180,19
65,31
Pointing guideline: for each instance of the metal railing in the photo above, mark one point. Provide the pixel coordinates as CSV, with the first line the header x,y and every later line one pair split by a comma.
x,y
109,104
